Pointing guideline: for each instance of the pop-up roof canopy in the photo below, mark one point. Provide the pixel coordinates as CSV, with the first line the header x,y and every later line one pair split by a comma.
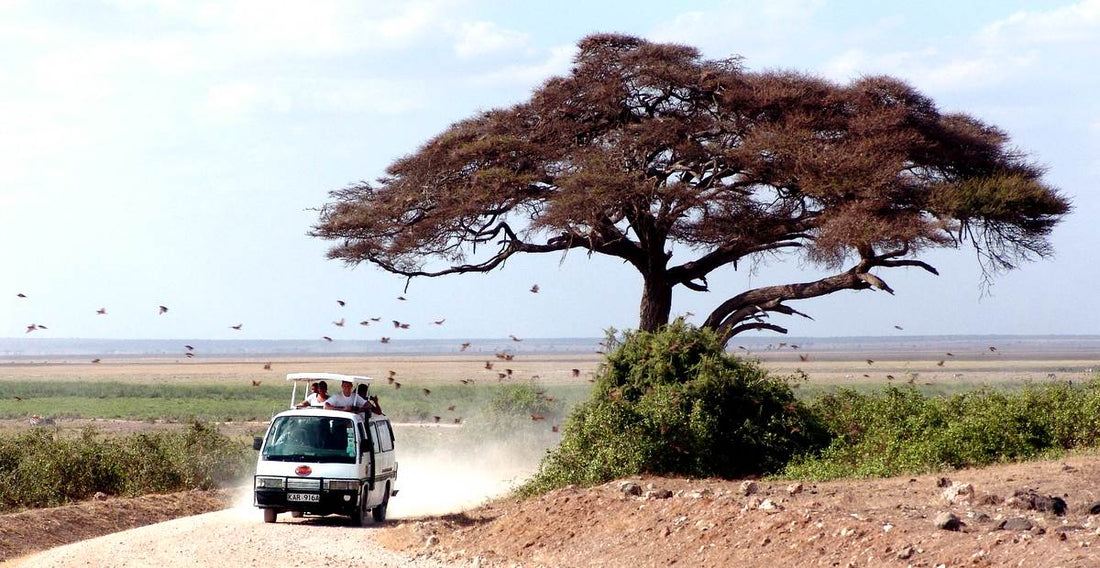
x,y
330,377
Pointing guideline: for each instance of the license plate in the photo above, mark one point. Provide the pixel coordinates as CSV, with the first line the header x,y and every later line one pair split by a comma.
x,y
303,497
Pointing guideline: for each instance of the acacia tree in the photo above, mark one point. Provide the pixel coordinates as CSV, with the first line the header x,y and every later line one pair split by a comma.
x,y
644,146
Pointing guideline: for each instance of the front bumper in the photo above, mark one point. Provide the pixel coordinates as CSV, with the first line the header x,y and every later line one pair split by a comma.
x,y
328,501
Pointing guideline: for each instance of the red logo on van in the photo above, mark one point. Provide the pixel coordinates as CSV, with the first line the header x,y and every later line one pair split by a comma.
x,y
303,470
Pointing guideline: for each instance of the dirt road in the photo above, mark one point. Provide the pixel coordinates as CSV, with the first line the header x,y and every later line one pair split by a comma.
x,y
232,538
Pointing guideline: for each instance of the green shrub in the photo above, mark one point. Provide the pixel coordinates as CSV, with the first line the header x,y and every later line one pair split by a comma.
x,y
38,468
899,430
675,403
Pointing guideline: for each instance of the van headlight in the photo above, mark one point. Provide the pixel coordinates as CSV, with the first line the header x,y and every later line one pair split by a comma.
x,y
270,483
341,484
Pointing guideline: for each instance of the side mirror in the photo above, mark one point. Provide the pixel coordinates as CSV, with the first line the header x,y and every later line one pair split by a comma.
x,y
257,442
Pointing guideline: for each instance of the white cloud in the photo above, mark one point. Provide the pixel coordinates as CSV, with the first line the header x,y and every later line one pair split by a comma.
x,y
480,38
557,62
1075,23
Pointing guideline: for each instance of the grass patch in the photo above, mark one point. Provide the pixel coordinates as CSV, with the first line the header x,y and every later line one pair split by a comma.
x,y
236,402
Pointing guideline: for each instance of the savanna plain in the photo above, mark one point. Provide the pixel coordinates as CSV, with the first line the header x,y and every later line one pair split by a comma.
x,y
470,427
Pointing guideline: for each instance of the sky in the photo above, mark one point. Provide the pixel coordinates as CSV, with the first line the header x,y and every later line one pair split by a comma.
x,y
171,152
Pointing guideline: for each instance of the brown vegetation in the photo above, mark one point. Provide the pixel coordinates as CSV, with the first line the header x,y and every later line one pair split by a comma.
x,y
645,146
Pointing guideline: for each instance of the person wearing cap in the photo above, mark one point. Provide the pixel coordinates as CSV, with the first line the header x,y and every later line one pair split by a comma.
x,y
345,400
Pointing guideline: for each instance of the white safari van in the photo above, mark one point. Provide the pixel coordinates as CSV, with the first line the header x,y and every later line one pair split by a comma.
x,y
319,462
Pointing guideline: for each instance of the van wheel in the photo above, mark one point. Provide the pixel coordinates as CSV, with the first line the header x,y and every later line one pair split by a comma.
x,y
379,512
359,517
269,515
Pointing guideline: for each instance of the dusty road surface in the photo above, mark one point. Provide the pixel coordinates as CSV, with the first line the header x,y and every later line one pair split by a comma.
x,y
234,538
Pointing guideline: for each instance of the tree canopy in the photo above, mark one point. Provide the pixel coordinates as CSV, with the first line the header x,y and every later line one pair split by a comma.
x,y
647,151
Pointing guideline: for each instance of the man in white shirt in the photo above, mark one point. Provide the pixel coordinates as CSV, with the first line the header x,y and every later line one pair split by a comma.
x,y
345,400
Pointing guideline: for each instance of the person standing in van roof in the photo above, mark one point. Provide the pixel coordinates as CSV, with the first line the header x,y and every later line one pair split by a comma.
x,y
318,394
346,400
372,401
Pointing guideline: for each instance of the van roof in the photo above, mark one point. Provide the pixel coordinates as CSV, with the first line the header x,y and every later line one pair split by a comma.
x,y
311,377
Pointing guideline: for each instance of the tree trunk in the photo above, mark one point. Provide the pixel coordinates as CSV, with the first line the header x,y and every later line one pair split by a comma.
x,y
656,303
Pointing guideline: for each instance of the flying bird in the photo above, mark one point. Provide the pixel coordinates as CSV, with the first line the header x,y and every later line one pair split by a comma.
x,y
379,318
537,417
509,371
940,364
32,327
188,347
439,322
18,398
339,323
870,361
458,421
950,354
465,381
554,428
237,327
426,392
489,365
101,311
576,372
256,383
20,295
437,418
451,408
342,303
162,310
267,366
326,338
535,289
396,385
501,376
464,346
992,349
393,373
402,298
514,338
898,327
364,322
804,358
96,360
385,340
189,355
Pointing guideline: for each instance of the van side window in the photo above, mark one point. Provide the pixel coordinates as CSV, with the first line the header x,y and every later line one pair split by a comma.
x,y
385,441
363,435
374,435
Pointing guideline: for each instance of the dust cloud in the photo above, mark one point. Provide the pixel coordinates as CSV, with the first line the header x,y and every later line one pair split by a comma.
x,y
437,481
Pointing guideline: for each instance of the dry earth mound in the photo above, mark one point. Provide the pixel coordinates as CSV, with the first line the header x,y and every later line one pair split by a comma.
x,y
41,529
1033,514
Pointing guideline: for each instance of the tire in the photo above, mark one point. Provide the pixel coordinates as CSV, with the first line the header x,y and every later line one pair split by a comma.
x,y
269,515
359,517
379,512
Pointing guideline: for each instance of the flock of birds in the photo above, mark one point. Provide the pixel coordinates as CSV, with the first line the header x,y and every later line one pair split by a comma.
x,y
805,357
189,352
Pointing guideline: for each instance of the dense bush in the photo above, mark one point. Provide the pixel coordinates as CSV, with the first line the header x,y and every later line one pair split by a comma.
x,y
900,430
38,468
674,402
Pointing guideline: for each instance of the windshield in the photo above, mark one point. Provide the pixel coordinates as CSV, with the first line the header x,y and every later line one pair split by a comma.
x,y
321,439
